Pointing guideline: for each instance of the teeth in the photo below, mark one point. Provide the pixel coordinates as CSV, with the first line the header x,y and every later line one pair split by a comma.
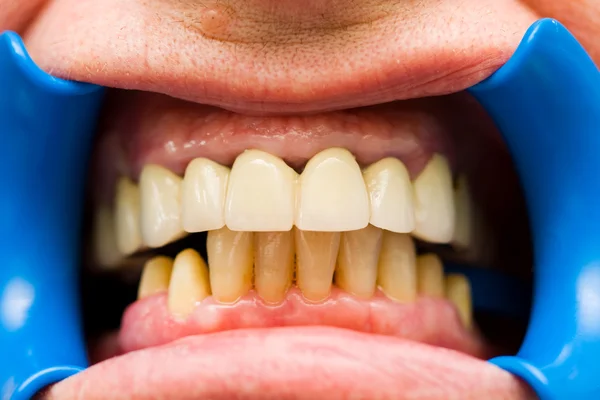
x,y
106,251
391,194
464,214
127,217
261,194
155,276
458,291
316,254
230,256
434,202
332,194
189,283
397,275
273,264
357,261
430,276
203,196
160,205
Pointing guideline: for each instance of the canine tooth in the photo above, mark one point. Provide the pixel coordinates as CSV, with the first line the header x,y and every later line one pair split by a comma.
x,y
106,252
189,283
230,256
127,216
434,202
155,276
397,269
356,272
316,254
261,193
160,191
391,194
273,264
332,194
464,214
430,276
458,291
203,196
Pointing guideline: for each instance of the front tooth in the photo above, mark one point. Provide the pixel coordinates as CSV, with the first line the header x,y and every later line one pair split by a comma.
x,y
397,274
230,256
434,202
356,272
160,191
189,283
391,194
430,276
127,216
203,196
106,250
464,214
273,264
332,194
316,254
261,194
155,276
458,291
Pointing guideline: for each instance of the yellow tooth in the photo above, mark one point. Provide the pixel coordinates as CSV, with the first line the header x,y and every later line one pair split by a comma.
x,y
203,196
430,276
127,216
160,200
434,202
106,251
458,291
261,193
397,270
230,256
356,272
189,283
391,194
464,214
273,264
332,195
155,276
316,254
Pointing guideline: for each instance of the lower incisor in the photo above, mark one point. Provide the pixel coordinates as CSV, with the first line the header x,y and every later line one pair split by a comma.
x,y
273,264
397,270
430,276
356,272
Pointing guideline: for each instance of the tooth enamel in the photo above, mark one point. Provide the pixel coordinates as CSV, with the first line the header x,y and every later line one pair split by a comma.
x,y
316,254
127,217
260,194
464,218
189,283
430,276
230,256
458,291
203,196
356,272
434,202
155,276
332,194
106,251
160,191
273,264
397,269
391,194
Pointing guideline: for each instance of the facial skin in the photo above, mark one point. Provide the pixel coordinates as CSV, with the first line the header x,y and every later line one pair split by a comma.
x,y
264,58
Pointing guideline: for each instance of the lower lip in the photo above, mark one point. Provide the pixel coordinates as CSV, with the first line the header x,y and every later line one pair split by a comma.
x,y
293,362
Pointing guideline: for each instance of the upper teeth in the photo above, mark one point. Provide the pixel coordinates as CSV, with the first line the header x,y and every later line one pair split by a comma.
x,y
261,193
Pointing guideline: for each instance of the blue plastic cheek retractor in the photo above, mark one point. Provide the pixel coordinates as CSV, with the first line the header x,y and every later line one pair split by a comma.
x,y
545,100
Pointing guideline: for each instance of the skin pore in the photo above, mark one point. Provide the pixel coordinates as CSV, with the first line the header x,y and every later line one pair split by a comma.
x,y
265,56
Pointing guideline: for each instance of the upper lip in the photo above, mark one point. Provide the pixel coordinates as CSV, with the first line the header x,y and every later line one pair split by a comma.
x,y
387,52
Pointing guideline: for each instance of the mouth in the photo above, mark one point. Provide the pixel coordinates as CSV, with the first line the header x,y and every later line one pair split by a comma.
x,y
281,229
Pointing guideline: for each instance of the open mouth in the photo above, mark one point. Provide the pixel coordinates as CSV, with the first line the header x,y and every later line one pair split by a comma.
x,y
272,238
